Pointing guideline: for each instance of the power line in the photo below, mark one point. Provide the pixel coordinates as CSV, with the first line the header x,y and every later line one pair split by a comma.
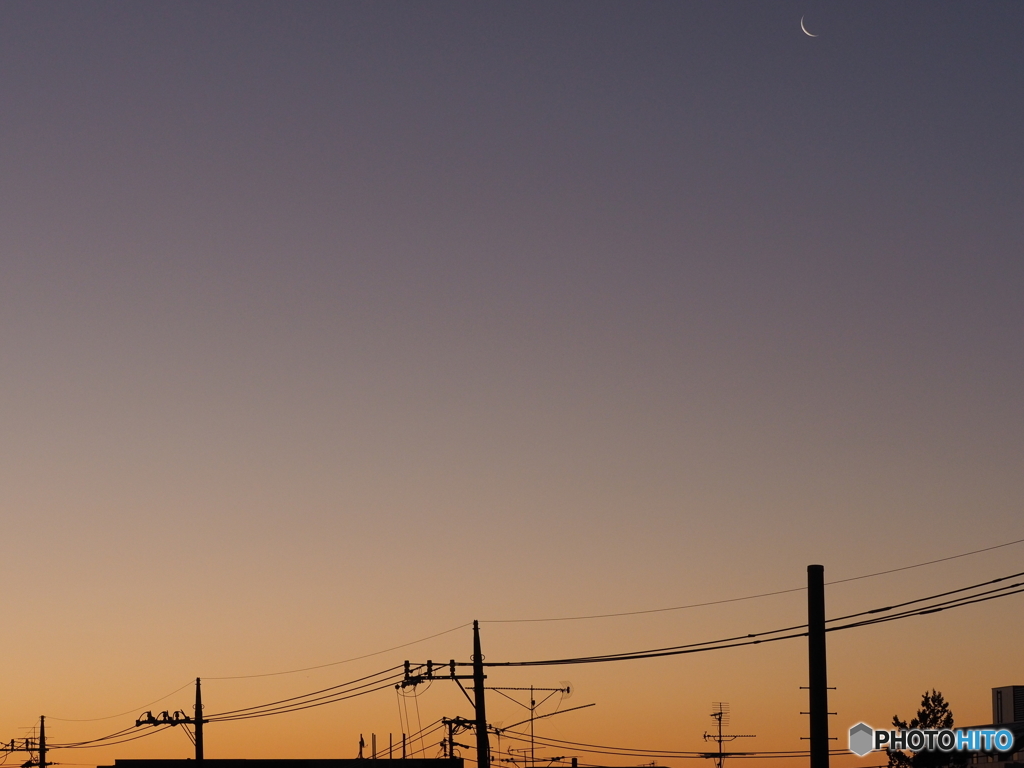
x,y
120,714
109,743
933,609
234,714
114,738
343,661
641,655
307,695
932,597
296,708
421,734
521,737
930,562
749,597
114,735
584,747
340,692
639,613
785,633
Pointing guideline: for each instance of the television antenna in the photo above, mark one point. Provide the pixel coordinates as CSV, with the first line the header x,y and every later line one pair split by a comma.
x,y
720,714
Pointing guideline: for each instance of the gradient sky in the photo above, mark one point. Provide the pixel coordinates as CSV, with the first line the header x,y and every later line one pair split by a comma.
x,y
331,326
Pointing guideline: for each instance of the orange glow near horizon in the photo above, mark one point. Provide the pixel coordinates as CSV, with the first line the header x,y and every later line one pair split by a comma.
x,y
656,704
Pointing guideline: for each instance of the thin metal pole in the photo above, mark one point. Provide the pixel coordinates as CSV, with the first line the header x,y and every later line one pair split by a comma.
x,y
42,741
817,681
721,753
533,748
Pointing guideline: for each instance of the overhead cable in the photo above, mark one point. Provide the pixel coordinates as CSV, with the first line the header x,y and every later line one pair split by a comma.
x,y
750,597
787,633
343,661
120,714
298,707
307,695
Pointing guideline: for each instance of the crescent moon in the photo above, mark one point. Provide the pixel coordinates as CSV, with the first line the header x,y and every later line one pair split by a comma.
x,y
805,28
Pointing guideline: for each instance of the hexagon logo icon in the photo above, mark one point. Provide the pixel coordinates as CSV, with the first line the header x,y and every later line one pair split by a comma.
x,y
862,738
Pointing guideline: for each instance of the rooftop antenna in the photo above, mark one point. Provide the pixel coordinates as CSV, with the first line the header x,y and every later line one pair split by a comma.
x,y
720,714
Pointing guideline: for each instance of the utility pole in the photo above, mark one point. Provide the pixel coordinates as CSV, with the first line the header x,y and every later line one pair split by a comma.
x,y
455,726
483,750
199,721
30,744
425,672
817,679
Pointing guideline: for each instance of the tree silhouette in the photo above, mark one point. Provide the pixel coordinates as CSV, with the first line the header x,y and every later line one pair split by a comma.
x,y
933,714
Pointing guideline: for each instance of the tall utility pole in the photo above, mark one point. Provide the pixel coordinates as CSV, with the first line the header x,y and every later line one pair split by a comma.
x,y
29,744
199,720
483,749
817,679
